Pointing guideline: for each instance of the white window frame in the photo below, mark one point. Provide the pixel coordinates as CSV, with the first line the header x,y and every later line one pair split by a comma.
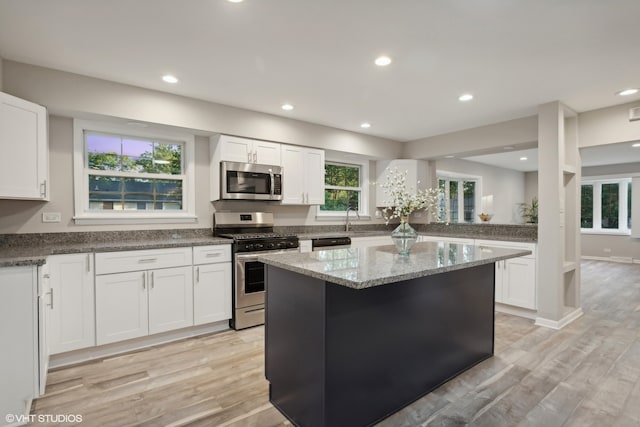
x,y
623,199
363,208
454,176
83,215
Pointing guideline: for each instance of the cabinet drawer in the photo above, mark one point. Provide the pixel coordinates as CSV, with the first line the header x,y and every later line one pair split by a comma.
x,y
510,245
119,262
211,254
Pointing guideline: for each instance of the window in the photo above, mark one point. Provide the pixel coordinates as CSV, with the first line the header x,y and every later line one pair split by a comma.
x,y
132,176
344,185
460,203
606,206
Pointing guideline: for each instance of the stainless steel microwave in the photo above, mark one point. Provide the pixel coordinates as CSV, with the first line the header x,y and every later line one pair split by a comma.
x,y
250,181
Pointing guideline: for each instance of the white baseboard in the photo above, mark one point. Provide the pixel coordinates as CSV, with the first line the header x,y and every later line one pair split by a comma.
x,y
98,352
559,324
516,311
625,260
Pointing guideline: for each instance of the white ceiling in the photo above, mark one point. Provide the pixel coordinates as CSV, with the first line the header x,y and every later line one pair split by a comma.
x,y
513,55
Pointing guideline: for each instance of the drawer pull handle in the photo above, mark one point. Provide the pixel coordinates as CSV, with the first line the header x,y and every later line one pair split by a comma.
x,y
144,280
147,260
213,254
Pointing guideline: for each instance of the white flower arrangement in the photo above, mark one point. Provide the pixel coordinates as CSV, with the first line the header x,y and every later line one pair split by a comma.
x,y
404,202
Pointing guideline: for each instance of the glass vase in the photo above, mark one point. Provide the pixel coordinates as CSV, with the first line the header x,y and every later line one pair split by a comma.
x,y
404,236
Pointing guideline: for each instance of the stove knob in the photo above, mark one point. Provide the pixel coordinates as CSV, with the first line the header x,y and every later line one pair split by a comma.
x,y
258,246
271,245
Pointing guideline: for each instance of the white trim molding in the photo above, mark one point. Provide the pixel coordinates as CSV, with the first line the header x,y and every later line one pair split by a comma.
x,y
559,324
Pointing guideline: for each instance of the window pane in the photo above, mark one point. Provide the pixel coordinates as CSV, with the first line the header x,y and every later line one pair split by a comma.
x,y
161,158
115,193
340,200
342,175
586,207
610,200
441,199
469,194
103,151
453,200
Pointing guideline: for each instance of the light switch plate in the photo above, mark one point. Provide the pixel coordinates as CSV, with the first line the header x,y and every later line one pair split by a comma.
x,y
51,216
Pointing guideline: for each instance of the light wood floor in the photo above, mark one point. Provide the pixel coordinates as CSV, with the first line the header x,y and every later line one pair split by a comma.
x,y
585,374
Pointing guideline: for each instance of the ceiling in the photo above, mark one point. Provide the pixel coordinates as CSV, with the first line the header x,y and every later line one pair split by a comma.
x,y
512,55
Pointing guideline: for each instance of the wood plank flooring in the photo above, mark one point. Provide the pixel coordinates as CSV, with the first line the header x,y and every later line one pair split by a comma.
x,y
587,374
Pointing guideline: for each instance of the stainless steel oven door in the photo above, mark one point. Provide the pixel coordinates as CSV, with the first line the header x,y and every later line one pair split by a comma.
x,y
249,290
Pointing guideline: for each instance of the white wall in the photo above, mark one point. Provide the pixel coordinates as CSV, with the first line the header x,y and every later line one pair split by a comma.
x,y
73,95
608,126
1,62
530,186
505,185
516,132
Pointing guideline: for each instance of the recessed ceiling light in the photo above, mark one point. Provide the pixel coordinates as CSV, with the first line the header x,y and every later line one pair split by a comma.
x,y
170,79
382,61
449,157
465,97
234,1
636,145
508,147
523,158
365,125
287,107
627,92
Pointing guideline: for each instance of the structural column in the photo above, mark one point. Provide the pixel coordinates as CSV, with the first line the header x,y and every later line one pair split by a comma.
x,y
558,217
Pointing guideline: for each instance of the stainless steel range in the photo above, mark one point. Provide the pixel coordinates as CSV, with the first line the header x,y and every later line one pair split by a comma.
x,y
251,232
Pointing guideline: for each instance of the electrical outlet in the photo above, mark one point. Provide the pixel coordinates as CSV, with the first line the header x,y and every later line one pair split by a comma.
x,y
51,217
378,214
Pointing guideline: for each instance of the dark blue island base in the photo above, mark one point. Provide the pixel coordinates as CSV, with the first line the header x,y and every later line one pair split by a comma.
x,y
337,356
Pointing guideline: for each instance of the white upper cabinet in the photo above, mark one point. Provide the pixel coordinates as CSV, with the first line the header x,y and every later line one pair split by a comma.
x,y
302,175
417,176
24,164
243,150
225,148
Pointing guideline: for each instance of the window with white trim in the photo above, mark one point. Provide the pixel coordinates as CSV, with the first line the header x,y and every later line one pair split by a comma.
x,y
132,175
460,201
344,187
606,206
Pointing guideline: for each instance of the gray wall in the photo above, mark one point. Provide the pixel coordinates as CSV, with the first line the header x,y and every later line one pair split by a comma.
x,y
530,186
609,125
73,95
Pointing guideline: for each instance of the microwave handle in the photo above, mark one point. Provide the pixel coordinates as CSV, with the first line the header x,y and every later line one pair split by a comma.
x,y
273,184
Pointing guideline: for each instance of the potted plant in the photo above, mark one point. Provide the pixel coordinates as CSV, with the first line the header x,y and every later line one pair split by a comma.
x,y
529,211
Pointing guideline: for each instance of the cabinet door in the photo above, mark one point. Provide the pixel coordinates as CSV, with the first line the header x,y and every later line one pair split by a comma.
x,y
19,332
266,153
170,299
234,149
314,174
499,280
23,141
71,306
212,293
363,242
121,307
293,186
519,287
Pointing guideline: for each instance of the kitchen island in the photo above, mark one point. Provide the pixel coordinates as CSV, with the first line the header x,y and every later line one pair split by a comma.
x,y
353,335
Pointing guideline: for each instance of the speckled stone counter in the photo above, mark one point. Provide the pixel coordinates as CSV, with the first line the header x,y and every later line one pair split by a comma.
x,y
33,248
361,268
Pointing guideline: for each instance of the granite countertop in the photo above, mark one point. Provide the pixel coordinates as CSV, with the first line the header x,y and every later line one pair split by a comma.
x,y
361,268
33,254
352,234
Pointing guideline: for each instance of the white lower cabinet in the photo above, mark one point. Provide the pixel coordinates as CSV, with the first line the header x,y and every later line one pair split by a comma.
x,y
70,303
516,277
211,284
136,304
132,304
19,335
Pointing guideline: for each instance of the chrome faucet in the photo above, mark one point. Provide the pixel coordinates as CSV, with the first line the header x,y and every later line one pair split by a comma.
x,y
348,224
